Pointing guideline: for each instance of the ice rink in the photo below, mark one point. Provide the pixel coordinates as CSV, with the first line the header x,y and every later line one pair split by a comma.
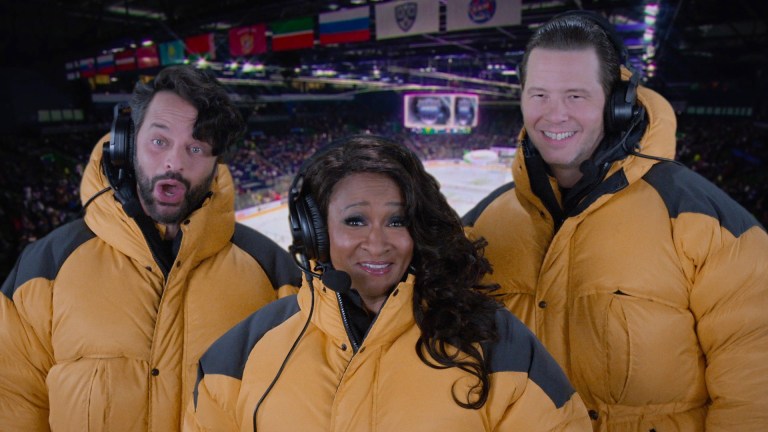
x,y
462,183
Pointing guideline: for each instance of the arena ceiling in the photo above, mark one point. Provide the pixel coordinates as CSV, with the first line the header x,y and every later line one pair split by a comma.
x,y
695,40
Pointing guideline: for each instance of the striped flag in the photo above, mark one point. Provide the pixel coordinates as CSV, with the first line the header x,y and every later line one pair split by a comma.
x,y
146,57
349,25
87,67
248,41
407,18
467,14
105,64
171,53
292,34
125,60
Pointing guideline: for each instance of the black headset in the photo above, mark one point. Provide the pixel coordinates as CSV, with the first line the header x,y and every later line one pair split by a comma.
x,y
621,108
117,159
117,154
308,228
119,149
310,235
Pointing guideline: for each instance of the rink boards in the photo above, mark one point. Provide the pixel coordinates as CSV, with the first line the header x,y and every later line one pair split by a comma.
x,y
462,183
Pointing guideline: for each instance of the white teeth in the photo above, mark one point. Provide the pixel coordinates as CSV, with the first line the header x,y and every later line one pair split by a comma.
x,y
375,266
559,136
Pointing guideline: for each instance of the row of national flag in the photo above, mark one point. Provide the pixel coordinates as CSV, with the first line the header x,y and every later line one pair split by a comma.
x,y
393,19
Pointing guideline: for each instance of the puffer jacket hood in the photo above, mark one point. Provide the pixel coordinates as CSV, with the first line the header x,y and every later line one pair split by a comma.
x,y
106,217
649,289
98,334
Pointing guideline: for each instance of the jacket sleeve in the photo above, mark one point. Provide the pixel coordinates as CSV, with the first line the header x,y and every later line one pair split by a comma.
x,y
529,390
532,411
729,299
214,405
25,356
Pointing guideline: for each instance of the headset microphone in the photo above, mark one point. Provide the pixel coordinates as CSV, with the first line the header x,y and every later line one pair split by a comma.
x,y
336,280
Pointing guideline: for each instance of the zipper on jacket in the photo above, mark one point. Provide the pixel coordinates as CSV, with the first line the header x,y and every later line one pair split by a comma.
x,y
345,321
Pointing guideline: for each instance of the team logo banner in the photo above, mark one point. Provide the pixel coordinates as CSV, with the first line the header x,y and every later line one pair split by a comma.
x,y
407,18
248,40
468,14
405,15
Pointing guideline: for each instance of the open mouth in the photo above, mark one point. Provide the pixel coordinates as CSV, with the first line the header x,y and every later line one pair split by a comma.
x,y
169,191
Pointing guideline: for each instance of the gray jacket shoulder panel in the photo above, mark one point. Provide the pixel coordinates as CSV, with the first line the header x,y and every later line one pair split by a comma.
x,y
685,191
45,257
274,260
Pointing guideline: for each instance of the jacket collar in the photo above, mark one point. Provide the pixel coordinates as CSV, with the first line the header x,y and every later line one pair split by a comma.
x,y
210,227
395,317
658,139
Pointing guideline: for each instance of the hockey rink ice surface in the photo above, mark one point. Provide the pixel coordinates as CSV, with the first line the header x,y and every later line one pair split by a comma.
x,y
462,183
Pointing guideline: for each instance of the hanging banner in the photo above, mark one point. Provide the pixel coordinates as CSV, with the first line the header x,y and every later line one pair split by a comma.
x,y
201,46
292,34
125,60
407,18
248,41
146,57
171,53
349,25
468,14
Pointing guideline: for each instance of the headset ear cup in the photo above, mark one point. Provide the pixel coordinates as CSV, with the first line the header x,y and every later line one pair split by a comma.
x,y
312,236
618,111
317,231
121,137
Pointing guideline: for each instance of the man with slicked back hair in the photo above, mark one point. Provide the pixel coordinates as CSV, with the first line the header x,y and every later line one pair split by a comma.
x,y
647,283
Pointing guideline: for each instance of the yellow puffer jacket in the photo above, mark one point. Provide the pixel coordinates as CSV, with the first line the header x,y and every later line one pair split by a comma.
x,y
383,386
95,338
652,295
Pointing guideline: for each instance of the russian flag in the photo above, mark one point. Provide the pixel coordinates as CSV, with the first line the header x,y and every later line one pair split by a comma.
x,y
105,64
349,25
87,67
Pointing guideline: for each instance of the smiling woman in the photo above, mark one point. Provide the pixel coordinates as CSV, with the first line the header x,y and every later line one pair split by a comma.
x,y
399,332
368,235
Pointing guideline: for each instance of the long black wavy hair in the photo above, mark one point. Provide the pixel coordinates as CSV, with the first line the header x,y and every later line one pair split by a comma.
x,y
450,304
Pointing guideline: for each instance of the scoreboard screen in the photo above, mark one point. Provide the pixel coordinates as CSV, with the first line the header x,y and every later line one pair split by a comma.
x,y
440,112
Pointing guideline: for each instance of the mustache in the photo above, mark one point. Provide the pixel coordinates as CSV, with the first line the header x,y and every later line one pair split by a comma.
x,y
171,175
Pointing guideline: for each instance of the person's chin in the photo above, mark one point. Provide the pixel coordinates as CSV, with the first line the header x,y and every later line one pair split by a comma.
x,y
166,214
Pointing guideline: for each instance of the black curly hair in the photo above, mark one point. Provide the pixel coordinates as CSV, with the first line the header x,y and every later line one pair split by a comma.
x,y
218,122
450,304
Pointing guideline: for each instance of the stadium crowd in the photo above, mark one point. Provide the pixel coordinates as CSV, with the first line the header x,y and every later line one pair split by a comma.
x,y
41,176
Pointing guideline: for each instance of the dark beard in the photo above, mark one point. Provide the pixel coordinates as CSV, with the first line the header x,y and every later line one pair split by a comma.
x,y
193,197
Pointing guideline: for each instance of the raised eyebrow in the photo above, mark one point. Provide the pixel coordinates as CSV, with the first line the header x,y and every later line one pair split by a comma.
x,y
357,204
159,126
366,203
